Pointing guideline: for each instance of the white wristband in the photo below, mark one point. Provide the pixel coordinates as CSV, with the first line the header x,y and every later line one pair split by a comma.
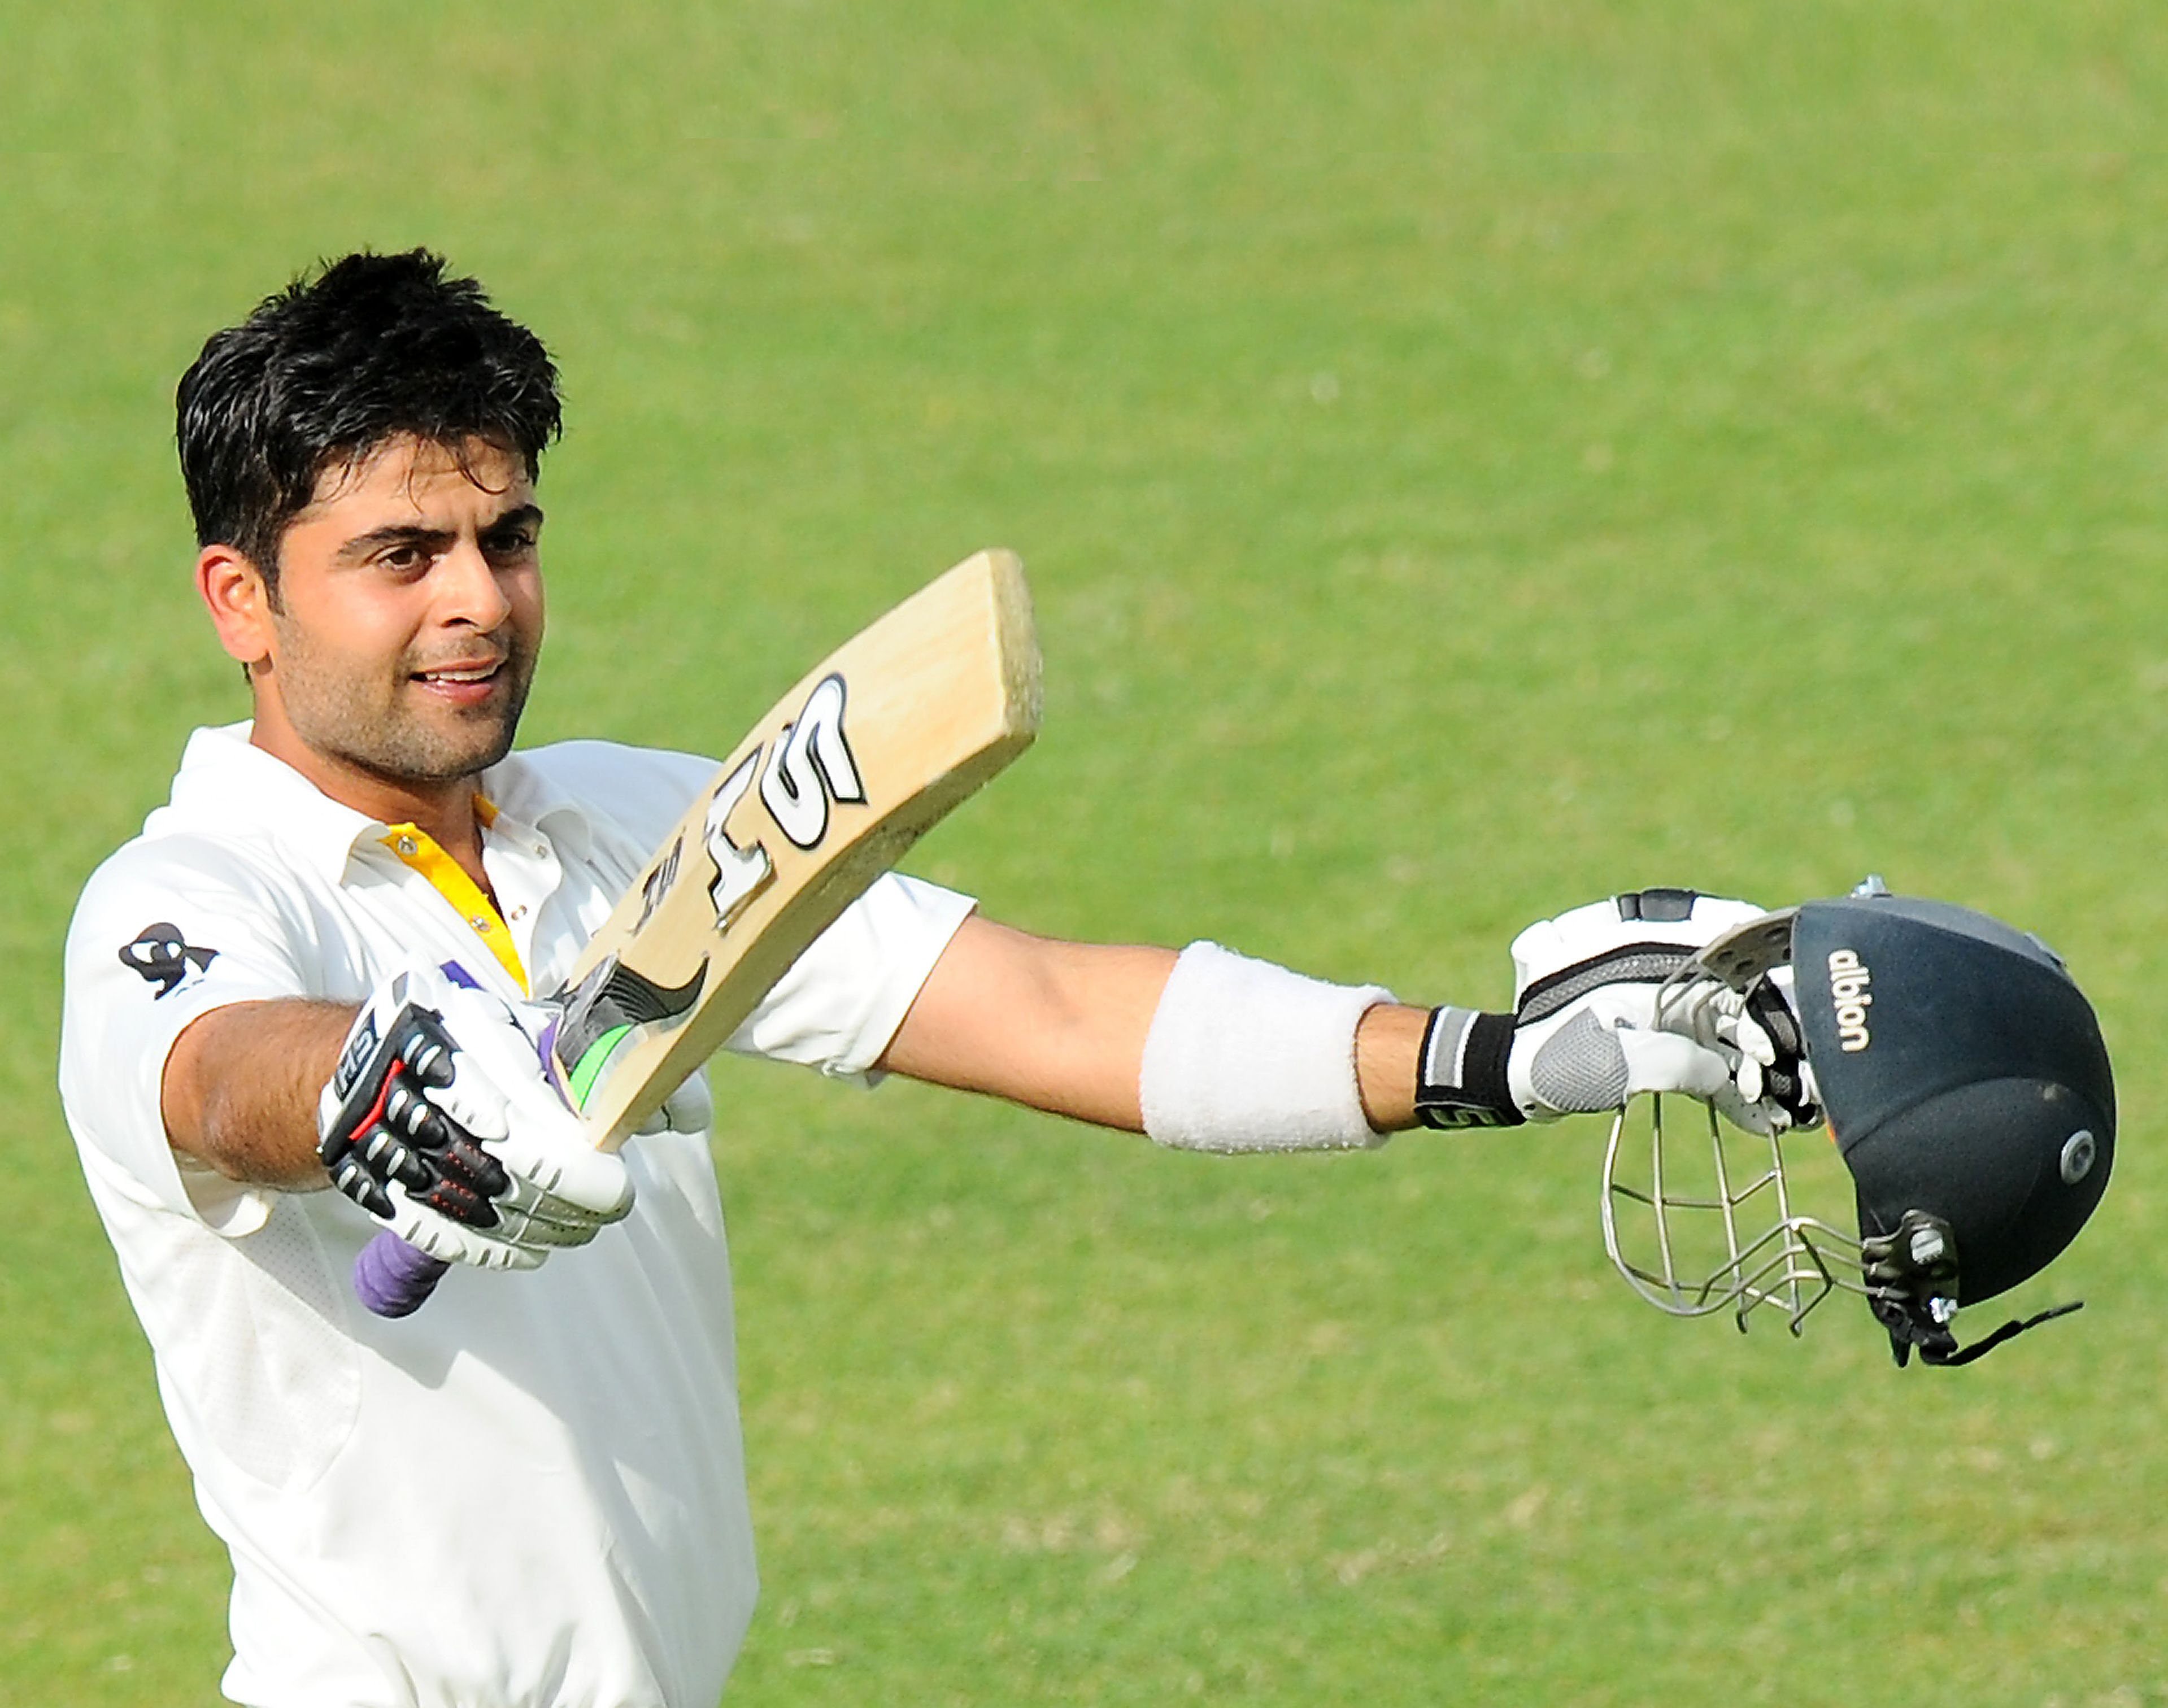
x,y
1243,1056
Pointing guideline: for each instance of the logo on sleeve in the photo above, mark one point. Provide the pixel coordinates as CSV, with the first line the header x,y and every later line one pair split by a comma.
x,y
161,956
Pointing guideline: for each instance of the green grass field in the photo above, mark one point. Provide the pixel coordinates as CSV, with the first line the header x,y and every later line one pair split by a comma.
x,y
1470,457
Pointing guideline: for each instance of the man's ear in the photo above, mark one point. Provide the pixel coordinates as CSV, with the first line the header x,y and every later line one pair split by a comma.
x,y
239,600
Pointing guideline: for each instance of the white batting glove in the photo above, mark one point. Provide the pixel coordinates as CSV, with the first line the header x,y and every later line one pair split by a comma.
x,y
1773,1089
1587,1037
1584,1036
440,1121
1599,1057
691,1108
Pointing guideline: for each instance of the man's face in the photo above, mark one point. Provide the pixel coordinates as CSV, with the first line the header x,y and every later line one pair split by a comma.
x,y
409,613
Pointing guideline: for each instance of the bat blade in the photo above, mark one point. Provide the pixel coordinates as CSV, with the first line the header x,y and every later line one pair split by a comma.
x,y
871,748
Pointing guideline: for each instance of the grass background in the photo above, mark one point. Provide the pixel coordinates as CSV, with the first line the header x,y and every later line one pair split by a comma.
x,y
1470,457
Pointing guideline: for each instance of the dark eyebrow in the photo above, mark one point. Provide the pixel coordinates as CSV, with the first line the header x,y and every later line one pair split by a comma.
x,y
432,540
529,515
364,545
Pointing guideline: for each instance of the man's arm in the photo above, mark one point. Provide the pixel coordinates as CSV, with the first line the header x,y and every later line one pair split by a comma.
x,y
240,1084
1055,1026
427,1102
1061,1026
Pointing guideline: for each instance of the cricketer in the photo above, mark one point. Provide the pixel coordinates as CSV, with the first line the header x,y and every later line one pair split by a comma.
x,y
298,1011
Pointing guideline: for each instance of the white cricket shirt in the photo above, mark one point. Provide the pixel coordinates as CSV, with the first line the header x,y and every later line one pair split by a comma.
x,y
532,1494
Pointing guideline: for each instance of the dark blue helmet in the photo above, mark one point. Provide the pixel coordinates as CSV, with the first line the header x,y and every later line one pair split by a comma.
x,y
1963,1077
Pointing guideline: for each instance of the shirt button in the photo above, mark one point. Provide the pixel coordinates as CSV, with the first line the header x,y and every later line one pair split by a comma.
x,y
520,912
480,924
406,845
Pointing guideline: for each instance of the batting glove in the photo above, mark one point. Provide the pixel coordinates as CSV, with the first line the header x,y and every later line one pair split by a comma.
x,y
440,1122
691,1108
1773,1089
1584,1036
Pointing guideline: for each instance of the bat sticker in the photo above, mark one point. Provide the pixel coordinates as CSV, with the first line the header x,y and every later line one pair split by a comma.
x,y
741,874
657,885
812,766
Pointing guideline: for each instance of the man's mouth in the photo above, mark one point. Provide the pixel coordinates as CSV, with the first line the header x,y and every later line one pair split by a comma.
x,y
466,670
464,680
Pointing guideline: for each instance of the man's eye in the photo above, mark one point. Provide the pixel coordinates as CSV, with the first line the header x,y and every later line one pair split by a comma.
x,y
403,560
512,542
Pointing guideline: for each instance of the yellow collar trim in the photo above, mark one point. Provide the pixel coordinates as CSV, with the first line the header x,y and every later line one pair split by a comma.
x,y
419,852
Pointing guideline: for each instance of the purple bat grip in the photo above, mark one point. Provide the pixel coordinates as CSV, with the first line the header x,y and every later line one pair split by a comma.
x,y
392,1278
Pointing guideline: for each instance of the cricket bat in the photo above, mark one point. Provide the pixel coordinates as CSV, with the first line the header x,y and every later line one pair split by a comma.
x,y
822,796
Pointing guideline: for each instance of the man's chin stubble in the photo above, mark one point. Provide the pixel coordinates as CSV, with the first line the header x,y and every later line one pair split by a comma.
x,y
409,766
416,755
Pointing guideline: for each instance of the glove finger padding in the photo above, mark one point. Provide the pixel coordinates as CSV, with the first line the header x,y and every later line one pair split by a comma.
x,y
468,1182
1772,1091
546,1149
545,1204
441,1122
453,1242
491,1052
500,1094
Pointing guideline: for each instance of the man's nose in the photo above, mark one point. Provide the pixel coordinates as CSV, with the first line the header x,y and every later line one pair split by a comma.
x,y
469,590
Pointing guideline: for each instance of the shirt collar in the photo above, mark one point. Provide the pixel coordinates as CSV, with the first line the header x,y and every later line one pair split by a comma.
x,y
525,793
225,783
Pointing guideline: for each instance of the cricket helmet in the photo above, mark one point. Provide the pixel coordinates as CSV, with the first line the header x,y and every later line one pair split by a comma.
x,y
1964,1082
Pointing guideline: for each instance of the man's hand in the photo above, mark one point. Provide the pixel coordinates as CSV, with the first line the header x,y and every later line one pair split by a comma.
x,y
1600,1054
1584,1035
1600,1014
440,1121
1758,1031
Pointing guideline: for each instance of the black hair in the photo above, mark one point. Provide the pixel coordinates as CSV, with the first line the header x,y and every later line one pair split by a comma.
x,y
326,371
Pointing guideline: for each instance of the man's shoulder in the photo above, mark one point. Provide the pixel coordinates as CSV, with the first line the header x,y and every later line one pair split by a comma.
x,y
162,851
235,806
160,862
170,907
607,771
643,790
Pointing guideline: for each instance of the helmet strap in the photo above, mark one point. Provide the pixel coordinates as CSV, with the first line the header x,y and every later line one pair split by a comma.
x,y
1931,1354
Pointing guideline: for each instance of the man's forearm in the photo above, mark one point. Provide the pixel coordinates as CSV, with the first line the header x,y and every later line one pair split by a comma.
x,y
240,1088
1061,1026
1057,1025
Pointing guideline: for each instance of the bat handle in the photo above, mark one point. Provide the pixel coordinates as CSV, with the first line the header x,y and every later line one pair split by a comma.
x,y
392,1278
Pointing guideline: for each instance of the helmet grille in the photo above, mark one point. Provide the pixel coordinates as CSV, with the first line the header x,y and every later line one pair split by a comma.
x,y
1704,1219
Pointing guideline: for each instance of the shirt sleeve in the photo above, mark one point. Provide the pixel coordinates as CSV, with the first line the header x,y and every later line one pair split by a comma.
x,y
166,930
843,998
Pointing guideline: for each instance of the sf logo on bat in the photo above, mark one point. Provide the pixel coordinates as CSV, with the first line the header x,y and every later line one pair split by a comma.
x,y
809,768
